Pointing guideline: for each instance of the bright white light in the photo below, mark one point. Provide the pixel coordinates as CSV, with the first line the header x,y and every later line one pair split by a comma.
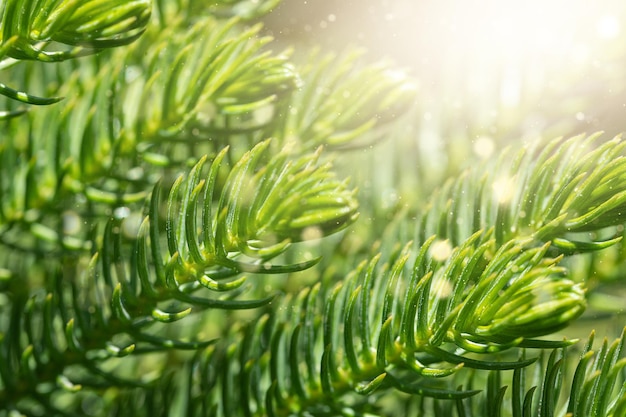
x,y
513,31
608,27
121,212
505,50
441,288
504,189
441,250
484,147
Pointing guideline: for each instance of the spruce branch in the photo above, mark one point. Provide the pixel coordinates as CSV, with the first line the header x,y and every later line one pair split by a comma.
x,y
412,329
392,327
595,386
260,211
556,193
220,84
215,229
245,9
89,25
222,9
124,253
343,104
29,28
112,142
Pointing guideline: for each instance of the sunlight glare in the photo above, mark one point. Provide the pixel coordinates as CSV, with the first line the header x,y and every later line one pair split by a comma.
x,y
504,189
608,27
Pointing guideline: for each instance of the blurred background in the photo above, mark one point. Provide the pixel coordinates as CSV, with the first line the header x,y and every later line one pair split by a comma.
x,y
489,73
486,69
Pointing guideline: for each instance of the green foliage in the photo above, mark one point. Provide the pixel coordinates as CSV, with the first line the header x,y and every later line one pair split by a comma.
x,y
175,238
410,325
85,27
331,83
556,194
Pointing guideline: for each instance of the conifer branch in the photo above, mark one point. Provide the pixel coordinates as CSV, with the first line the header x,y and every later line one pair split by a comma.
x,y
343,104
210,241
557,193
141,219
111,157
29,28
412,329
